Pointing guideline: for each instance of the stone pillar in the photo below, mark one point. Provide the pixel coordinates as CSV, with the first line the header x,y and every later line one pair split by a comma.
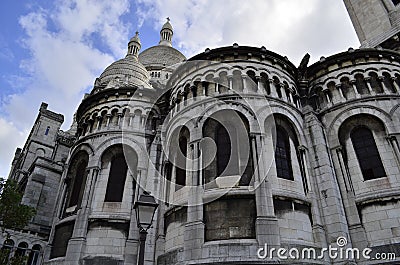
x,y
385,89
357,233
194,227
259,85
230,82
119,123
327,188
78,240
395,146
291,98
273,88
303,165
108,117
396,86
342,97
267,228
353,84
244,82
368,81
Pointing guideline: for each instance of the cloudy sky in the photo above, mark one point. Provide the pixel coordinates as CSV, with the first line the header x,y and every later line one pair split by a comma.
x,y
52,50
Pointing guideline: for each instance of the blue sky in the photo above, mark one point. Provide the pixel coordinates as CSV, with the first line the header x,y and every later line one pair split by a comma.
x,y
52,50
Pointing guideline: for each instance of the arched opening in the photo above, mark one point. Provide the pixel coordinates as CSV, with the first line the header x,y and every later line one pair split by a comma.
x,y
367,153
223,148
115,162
237,81
265,83
283,159
252,82
34,255
361,84
347,89
181,157
7,248
388,82
76,179
228,130
21,249
375,83
288,162
362,138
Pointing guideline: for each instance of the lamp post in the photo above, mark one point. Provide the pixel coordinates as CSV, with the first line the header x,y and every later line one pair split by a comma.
x,y
145,208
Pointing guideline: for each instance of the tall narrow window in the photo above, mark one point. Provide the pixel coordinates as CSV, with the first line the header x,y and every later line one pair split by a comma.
x,y
282,155
116,179
77,189
367,153
34,255
223,149
7,247
47,130
181,164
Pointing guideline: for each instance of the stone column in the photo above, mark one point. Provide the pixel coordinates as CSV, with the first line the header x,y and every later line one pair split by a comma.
x,y
353,84
395,146
108,116
303,164
244,81
357,233
78,240
99,119
273,88
194,227
267,228
291,98
370,89
326,186
396,86
259,85
385,89
342,97
230,82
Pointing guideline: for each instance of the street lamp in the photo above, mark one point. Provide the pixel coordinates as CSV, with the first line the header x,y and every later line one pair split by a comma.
x,y
145,208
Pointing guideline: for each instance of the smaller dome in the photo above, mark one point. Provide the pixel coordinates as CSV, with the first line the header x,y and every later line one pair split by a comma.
x,y
135,38
128,70
167,25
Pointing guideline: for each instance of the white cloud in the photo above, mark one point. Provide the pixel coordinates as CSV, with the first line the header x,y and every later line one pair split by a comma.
x,y
290,28
63,63
9,137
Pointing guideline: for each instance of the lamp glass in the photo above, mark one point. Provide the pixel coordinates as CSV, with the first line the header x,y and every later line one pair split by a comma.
x,y
145,215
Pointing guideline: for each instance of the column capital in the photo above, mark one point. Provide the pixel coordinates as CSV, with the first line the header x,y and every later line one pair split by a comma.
x,y
302,148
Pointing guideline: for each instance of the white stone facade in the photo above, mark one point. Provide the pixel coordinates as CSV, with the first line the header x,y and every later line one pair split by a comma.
x,y
297,174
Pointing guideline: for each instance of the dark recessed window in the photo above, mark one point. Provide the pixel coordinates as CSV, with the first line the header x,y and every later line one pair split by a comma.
x,y
282,155
181,164
62,235
223,149
77,188
116,179
367,153
396,2
47,130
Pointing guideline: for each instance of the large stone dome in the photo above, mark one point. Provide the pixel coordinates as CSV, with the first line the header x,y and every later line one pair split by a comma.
x,y
129,70
160,56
